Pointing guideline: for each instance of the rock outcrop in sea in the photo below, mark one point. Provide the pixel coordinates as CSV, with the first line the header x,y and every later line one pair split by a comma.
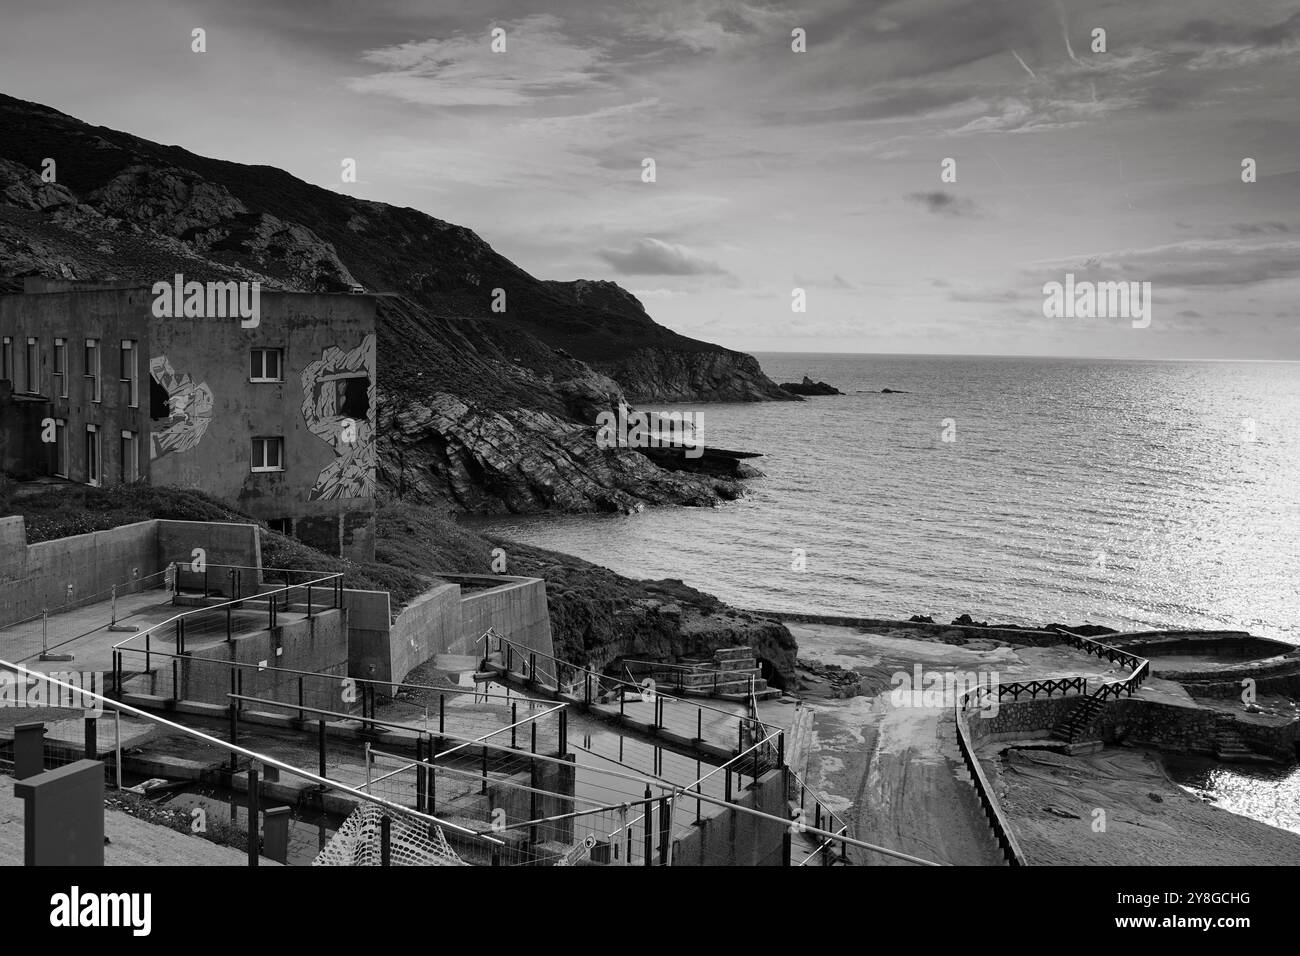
x,y
809,387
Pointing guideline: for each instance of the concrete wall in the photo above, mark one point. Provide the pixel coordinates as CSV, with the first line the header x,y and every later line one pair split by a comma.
x,y
445,620
319,644
38,575
731,838
517,609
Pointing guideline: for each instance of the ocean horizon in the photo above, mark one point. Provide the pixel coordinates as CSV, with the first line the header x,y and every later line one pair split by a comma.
x,y
1130,493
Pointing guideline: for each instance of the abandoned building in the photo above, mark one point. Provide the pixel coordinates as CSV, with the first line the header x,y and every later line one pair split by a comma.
x,y
273,413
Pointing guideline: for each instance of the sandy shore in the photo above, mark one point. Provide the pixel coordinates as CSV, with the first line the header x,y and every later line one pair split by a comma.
x,y
1057,803
894,773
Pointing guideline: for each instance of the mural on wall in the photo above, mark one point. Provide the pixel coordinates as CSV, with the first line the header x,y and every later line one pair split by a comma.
x,y
189,410
339,408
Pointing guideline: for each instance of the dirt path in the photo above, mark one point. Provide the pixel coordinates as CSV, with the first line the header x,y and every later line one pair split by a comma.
x,y
895,771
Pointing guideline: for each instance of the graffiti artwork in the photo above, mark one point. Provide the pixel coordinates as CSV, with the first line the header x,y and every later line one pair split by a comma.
x,y
189,410
339,408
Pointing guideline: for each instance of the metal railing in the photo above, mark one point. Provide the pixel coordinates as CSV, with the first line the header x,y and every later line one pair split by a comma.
x,y
256,760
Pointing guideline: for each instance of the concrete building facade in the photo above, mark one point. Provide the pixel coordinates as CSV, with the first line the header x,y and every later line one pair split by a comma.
x,y
274,413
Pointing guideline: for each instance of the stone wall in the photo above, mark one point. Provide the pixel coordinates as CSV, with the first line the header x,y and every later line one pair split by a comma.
x,y
1027,717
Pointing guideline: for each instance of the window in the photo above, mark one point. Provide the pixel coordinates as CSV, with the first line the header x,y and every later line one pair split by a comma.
x,y
280,525
130,457
61,448
61,368
268,454
92,455
353,399
267,365
92,369
128,373
33,366
7,359
160,406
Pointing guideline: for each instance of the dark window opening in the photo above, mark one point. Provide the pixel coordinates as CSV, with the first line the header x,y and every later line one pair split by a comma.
x,y
280,525
353,398
159,407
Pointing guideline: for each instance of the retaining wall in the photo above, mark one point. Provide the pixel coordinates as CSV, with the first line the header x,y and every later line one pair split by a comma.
x,y
318,643
37,576
444,620
732,838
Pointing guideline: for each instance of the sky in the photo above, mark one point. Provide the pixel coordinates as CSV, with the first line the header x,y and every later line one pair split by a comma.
x,y
1111,158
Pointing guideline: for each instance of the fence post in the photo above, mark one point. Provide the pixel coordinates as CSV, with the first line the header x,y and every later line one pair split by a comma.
x,y
532,669
92,741
647,818
300,715
234,733
146,651
664,833
176,687
433,775
320,743
117,747
253,840
385,840
309,605
514,721
419,772
229,624
564,732
442,711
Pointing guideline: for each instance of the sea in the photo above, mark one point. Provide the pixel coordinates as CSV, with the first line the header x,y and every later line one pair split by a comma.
x,y
1134,494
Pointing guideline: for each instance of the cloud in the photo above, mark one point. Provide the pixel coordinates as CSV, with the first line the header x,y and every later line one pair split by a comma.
x,y
1199,264
835,281
540,61
943,203
651,257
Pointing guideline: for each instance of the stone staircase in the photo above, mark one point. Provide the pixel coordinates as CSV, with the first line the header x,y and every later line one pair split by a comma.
x,y
1076,726
726,676
1228,743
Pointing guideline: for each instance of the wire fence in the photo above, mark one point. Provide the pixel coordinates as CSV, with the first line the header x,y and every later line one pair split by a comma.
x,y
56,738
628,701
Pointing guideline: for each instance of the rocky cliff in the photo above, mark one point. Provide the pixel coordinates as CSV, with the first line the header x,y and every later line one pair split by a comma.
x,y
480,411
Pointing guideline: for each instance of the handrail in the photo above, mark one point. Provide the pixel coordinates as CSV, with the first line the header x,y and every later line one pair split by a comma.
x,y
261,595
336,677
250,754
93,598
1001,828
1140,671
618,680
